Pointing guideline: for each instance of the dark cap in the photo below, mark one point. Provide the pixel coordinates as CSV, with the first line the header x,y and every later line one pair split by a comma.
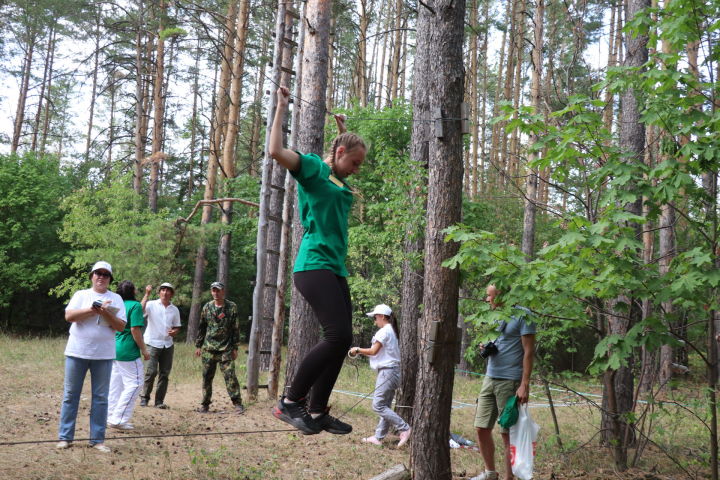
x,y
218,285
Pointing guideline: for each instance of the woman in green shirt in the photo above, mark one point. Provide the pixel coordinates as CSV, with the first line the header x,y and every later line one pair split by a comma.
x,y
324,201
127,371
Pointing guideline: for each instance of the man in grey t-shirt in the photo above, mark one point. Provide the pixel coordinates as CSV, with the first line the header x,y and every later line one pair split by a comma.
x,y
508,374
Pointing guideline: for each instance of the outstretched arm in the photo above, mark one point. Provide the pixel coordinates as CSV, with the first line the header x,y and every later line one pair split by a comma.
x,y
284,156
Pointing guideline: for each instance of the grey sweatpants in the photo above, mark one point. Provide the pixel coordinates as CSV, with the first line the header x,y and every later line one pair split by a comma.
x,y
388,381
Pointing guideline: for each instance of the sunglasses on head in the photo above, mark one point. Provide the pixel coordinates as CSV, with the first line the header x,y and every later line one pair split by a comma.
x,y
103,274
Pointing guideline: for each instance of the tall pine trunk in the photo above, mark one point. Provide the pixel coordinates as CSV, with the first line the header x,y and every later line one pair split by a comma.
x,y
440,39
619,384
158,109
218,124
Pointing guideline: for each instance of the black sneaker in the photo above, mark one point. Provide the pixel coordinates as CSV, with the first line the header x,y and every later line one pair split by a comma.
x,y
239,409
331,424
143,402
203,409
296,415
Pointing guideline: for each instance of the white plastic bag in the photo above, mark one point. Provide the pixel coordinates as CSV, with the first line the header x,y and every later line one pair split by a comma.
x,y
522,444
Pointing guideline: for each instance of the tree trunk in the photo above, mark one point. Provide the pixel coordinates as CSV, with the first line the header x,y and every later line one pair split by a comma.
x,y
618,394
219,121
396,51
360,73
480,182
303,324
140,98
381,67
262,320
286,237
497,130
472,78
22,96
507,95
93,94
42,97
275,228
528,237
440,39
257,117
158,109
48,113
194,124
228,152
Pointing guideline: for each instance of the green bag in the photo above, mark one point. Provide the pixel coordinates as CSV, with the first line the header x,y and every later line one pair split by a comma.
x,y
510,413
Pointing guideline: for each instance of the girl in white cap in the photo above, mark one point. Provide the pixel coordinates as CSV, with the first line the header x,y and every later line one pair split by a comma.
x,y
384,357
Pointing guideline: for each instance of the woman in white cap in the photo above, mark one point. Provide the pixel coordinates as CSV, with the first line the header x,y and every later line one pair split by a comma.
x,y
384,355
95,314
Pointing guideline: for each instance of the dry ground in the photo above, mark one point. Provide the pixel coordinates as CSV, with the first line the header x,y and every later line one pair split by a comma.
x,y
31,375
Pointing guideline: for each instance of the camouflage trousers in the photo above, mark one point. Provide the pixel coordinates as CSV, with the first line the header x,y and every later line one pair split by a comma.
x,y
210,361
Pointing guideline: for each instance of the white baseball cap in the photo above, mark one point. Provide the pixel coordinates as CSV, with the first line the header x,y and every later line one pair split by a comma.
x,y
381,309
101,265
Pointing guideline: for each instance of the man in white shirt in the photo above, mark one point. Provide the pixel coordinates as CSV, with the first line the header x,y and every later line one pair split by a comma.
x,y
163,323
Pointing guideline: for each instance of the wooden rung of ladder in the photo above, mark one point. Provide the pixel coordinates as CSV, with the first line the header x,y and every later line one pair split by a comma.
x,y
288,70
259,386
274,218
273,252
279,188
290,42
292,13
270,285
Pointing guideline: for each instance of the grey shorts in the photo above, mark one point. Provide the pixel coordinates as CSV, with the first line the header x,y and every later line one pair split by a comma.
x,y
494,394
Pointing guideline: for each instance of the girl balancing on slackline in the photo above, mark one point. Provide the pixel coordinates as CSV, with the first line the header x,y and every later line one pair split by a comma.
x,y
324,201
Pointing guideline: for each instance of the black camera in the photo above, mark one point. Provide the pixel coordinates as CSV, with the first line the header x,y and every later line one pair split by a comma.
x,y
489,349
97,304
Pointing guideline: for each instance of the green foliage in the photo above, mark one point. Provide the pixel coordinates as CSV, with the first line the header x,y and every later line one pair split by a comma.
x,y
382,213
109,223
31,254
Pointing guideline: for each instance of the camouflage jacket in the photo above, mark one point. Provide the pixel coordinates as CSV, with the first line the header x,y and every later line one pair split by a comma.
x,y
219,329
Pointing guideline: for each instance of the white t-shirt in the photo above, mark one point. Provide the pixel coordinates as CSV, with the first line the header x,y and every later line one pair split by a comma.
x,y
93,338
389,353
160,319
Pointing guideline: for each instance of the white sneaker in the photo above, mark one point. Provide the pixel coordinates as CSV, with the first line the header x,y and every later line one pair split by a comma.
x,y
100,447
372,440
487,475
404,437
122,426
63,444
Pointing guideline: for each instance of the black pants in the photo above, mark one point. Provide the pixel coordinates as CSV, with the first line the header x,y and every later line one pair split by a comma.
x,y
329,296
160,364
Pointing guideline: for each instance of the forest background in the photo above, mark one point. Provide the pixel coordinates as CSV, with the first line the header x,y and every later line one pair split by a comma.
x,y
590,172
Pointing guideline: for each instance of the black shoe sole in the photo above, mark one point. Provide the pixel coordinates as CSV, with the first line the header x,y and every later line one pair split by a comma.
x,y
338,432
295,422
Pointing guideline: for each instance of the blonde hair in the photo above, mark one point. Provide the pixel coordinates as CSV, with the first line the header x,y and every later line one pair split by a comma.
x,y
348,140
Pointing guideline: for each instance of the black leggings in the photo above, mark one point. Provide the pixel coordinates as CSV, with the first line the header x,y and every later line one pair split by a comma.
x,y
329,296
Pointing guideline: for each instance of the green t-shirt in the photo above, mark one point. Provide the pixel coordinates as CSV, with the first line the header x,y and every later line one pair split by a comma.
x,y
324,201
126,350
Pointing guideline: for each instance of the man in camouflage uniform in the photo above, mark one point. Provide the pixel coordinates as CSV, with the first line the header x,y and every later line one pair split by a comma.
x,y
217,342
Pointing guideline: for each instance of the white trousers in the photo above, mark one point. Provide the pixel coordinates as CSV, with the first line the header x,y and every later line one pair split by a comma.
x,y
125,384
